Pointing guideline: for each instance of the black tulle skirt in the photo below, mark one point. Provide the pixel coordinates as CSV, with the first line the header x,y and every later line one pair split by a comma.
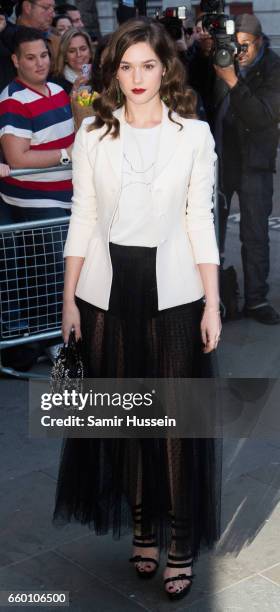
x,y
101,480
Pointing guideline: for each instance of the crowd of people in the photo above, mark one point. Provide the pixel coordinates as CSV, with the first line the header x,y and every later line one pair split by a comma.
x,y
48,56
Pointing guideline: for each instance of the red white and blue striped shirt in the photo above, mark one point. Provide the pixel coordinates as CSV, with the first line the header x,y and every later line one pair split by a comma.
x,y
47,121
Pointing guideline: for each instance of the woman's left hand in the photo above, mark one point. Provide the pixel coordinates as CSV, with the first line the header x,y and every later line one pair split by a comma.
x,y
211,328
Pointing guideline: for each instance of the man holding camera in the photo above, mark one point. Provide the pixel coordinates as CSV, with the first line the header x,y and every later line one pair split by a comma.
x,y
247,124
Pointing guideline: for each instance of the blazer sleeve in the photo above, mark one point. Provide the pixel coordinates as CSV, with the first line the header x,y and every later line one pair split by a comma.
x,y
84,212
199,218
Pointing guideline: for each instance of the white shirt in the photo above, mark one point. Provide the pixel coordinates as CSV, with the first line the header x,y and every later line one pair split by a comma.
x,y
135,223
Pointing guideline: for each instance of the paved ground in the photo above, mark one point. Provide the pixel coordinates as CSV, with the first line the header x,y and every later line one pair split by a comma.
x,y
244,572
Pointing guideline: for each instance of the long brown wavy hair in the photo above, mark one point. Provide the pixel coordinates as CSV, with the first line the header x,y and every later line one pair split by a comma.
x,y
173,90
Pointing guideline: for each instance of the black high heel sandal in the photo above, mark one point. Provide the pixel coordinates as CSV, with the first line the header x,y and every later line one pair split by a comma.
x,y
147,541
180,562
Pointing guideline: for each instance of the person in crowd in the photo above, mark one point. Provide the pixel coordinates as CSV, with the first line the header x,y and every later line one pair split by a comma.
x,y
140,255
96,81
30,14
36,131
203,38
62,23
247,138
189,31
201,73
39,15
73,12
75,51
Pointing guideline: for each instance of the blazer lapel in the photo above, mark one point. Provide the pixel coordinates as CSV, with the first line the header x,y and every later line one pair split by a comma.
x,y
168,141
114,146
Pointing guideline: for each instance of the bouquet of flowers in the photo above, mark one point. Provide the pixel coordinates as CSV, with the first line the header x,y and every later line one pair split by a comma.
x,y
81,103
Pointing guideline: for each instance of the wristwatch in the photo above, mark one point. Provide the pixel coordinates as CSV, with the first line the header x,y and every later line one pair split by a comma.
x,y
64,159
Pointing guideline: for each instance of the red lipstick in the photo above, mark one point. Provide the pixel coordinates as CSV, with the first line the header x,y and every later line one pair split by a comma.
x,y
138,91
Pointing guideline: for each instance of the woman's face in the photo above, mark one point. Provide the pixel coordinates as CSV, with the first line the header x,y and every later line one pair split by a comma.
x,y
63,25
78,53
140,73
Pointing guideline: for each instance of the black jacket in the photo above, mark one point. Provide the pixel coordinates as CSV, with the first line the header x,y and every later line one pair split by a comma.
x,y
250,126
202,77
8,71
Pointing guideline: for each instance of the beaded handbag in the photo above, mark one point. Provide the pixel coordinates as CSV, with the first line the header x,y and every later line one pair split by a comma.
x,y
68,369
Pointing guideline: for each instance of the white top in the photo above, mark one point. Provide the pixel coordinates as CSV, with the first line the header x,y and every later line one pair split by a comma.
x,y
135,223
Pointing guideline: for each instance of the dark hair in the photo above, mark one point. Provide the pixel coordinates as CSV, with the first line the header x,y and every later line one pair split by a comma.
x,y
199,18
57,18
25,34
18,9
178,98
6,7
63,8
96,72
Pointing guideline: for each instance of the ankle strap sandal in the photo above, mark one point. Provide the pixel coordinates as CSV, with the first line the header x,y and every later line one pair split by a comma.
x,y
179,562
143,541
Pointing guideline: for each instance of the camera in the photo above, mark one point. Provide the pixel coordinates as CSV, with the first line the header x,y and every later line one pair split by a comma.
x,y
222,30
172,18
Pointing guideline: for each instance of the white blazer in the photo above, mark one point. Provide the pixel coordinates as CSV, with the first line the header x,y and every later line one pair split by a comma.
x,y
182,193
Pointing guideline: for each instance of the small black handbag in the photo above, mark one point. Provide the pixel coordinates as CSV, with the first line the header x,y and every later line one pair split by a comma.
x,y
68,366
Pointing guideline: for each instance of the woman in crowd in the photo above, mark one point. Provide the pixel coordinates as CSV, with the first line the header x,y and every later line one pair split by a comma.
x,y
62,23
140,255
75,51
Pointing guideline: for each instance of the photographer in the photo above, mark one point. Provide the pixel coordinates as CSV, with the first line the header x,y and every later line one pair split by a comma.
x,y
247,136
201,72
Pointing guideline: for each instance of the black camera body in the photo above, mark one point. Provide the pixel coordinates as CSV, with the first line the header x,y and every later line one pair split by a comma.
x,y
222,30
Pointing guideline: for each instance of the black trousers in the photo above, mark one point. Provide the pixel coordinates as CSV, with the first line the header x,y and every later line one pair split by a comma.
x,y
255,190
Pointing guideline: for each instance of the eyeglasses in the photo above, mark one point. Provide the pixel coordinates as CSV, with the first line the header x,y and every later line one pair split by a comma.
x,y
48,8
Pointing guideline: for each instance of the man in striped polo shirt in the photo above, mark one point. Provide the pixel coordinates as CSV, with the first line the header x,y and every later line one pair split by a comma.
x,y
36,131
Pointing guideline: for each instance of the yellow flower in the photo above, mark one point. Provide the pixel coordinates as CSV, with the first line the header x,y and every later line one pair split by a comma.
x,y
85,98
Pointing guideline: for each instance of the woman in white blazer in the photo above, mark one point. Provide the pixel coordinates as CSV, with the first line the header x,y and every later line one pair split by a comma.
x,y
141,255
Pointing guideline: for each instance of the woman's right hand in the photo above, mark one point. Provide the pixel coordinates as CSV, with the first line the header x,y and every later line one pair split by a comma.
x,y
81,80
71,321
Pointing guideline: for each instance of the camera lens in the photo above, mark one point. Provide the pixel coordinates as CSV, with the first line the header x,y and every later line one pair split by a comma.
x,y
223,58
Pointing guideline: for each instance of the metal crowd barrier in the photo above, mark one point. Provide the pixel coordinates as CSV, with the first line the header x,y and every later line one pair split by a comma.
x,y
31,283
31,280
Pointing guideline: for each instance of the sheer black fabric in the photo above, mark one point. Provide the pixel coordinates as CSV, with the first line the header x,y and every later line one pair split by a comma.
x,y
101,480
